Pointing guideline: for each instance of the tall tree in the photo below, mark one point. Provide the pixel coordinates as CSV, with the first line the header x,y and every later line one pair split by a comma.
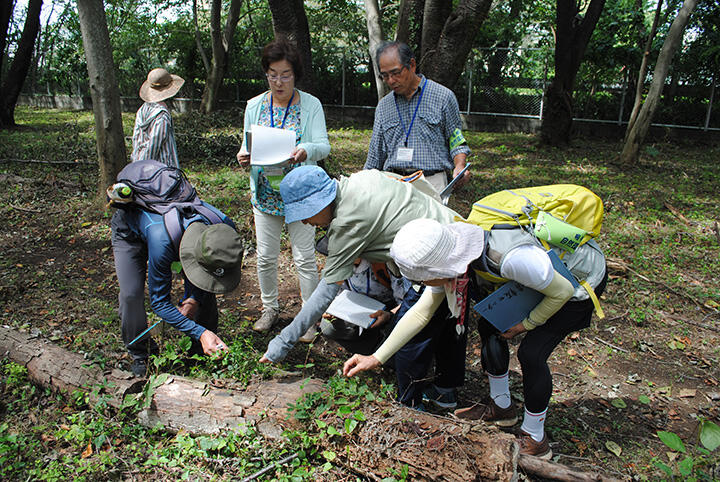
x,y
15,78
221,40
373,17
410,23
289,20
445,40
636,133
6,9
104,91
572,34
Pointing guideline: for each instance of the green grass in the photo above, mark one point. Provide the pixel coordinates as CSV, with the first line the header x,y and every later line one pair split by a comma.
x,y
58,279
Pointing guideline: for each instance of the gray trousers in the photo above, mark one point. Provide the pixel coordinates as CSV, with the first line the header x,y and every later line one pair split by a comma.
x,y
131,256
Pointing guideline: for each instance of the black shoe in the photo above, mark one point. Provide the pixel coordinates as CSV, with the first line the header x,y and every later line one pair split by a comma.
x,y
139,368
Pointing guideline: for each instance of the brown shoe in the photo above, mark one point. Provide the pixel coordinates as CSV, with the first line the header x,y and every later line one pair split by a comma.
x,y
490,413
528,446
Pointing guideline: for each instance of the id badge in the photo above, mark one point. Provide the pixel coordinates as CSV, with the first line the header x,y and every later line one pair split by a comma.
x,y
405,154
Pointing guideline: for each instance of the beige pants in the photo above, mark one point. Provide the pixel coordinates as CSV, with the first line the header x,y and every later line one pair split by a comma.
x,y
439,181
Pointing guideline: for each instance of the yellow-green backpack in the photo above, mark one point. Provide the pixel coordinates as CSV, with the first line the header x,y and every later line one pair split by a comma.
x,y
569,203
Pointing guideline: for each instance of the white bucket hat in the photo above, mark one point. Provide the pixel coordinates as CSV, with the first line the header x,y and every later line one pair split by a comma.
x,y
425,250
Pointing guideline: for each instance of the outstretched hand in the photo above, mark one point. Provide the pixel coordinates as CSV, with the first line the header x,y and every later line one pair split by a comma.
x,y
514,331
359,363
211,343
265,359
381,317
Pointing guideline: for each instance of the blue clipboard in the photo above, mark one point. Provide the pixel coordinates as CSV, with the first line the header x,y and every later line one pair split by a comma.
x,y
448,189
512,302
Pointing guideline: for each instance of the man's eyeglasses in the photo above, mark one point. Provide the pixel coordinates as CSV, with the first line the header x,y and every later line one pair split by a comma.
x,y
393,73
281,78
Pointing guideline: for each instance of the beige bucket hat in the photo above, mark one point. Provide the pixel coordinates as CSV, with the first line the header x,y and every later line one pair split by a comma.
x,y
160,85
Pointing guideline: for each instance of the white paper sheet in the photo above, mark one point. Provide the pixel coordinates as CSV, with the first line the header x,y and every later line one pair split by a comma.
x,y
271,146
354,308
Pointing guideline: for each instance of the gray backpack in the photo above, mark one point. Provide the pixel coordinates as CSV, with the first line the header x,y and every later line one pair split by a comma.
x,y
165,190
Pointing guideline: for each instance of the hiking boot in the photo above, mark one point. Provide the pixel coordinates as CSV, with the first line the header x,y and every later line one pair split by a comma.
x,y
528,446
442,399
139,368
309,335
266,321
490,413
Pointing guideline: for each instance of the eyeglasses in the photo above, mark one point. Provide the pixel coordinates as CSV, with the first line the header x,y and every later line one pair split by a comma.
x,y
393,73
281,78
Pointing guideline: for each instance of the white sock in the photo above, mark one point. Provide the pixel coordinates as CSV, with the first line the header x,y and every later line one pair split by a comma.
x,y
534,424
500,389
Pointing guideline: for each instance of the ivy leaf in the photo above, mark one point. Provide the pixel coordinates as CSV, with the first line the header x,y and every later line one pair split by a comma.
x,y
664,467
618,403
644,399
685,466
333,431
710,435
350,425
329,455
176,267
613,447
671,440
185,343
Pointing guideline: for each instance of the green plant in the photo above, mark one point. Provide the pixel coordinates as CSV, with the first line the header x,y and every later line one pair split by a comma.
x,y
696,460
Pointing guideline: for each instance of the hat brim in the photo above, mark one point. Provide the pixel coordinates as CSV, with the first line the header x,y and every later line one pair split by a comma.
x,y
150,94
311,205
198,275
469,246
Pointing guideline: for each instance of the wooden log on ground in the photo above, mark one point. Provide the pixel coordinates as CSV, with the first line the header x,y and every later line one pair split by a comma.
x,y
391,437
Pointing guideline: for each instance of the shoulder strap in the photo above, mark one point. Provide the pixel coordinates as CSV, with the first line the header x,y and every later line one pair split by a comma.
x,y
173,226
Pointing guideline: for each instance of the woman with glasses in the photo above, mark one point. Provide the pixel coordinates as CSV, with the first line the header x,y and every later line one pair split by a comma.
x,y
284,107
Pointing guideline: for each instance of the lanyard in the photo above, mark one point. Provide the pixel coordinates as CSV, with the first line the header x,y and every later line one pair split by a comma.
x,y
412,121
287,109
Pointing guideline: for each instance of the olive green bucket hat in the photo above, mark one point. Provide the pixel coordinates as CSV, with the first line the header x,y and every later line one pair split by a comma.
x,y
211,256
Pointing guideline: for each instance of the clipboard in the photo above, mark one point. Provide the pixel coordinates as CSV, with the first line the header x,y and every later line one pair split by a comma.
x,y
512,302
448,189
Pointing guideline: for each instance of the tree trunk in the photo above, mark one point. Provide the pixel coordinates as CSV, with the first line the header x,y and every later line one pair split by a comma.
x,y
636,135
373,18
410,24
6,10
198,40
643,69
289,20
221,42
445,61
571,38
20,66
435,15
110,139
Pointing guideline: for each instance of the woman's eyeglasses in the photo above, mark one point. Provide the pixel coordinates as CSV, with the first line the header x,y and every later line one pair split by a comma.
x,y
280,78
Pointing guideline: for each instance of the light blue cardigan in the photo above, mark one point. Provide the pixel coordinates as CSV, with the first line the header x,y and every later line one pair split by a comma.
x,y
313,138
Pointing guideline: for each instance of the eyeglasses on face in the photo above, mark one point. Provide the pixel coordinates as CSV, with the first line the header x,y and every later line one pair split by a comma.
x,y
281,78
392,73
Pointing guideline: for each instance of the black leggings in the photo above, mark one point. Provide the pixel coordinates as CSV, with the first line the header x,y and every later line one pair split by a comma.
x,y
538,344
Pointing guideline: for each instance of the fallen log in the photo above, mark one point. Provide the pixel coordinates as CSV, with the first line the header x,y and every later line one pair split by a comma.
x,y
392,438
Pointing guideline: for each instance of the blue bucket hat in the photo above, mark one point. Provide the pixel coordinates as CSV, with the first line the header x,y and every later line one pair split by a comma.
x,y
306,190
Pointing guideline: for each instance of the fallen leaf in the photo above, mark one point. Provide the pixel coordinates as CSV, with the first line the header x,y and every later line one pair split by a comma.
x,y
613,447
436,443
572,352
671,455
87,452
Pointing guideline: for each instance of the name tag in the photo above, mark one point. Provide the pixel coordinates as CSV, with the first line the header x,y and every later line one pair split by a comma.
x,y
405,154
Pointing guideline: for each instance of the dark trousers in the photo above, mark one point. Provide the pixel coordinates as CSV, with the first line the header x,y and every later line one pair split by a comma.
x,y
131,257
438,341
539,343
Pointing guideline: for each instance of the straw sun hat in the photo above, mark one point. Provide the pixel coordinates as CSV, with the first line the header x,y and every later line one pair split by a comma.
x,y
160,85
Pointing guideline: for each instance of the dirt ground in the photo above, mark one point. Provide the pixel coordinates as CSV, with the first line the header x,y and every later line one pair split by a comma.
x,y
619,381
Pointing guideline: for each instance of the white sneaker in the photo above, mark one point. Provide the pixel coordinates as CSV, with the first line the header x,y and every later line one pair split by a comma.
x,y
266,321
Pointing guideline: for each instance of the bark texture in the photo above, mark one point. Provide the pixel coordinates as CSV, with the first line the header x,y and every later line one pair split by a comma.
x,y
572,35
222,38
410,24
110,139
6,9
636,133
289,20
444,61
12,85
373,18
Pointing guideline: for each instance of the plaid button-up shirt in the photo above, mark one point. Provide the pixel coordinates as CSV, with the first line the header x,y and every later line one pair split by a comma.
x,y
437,118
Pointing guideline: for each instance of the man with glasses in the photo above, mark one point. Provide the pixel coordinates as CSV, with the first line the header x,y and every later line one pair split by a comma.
x,y
418,125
